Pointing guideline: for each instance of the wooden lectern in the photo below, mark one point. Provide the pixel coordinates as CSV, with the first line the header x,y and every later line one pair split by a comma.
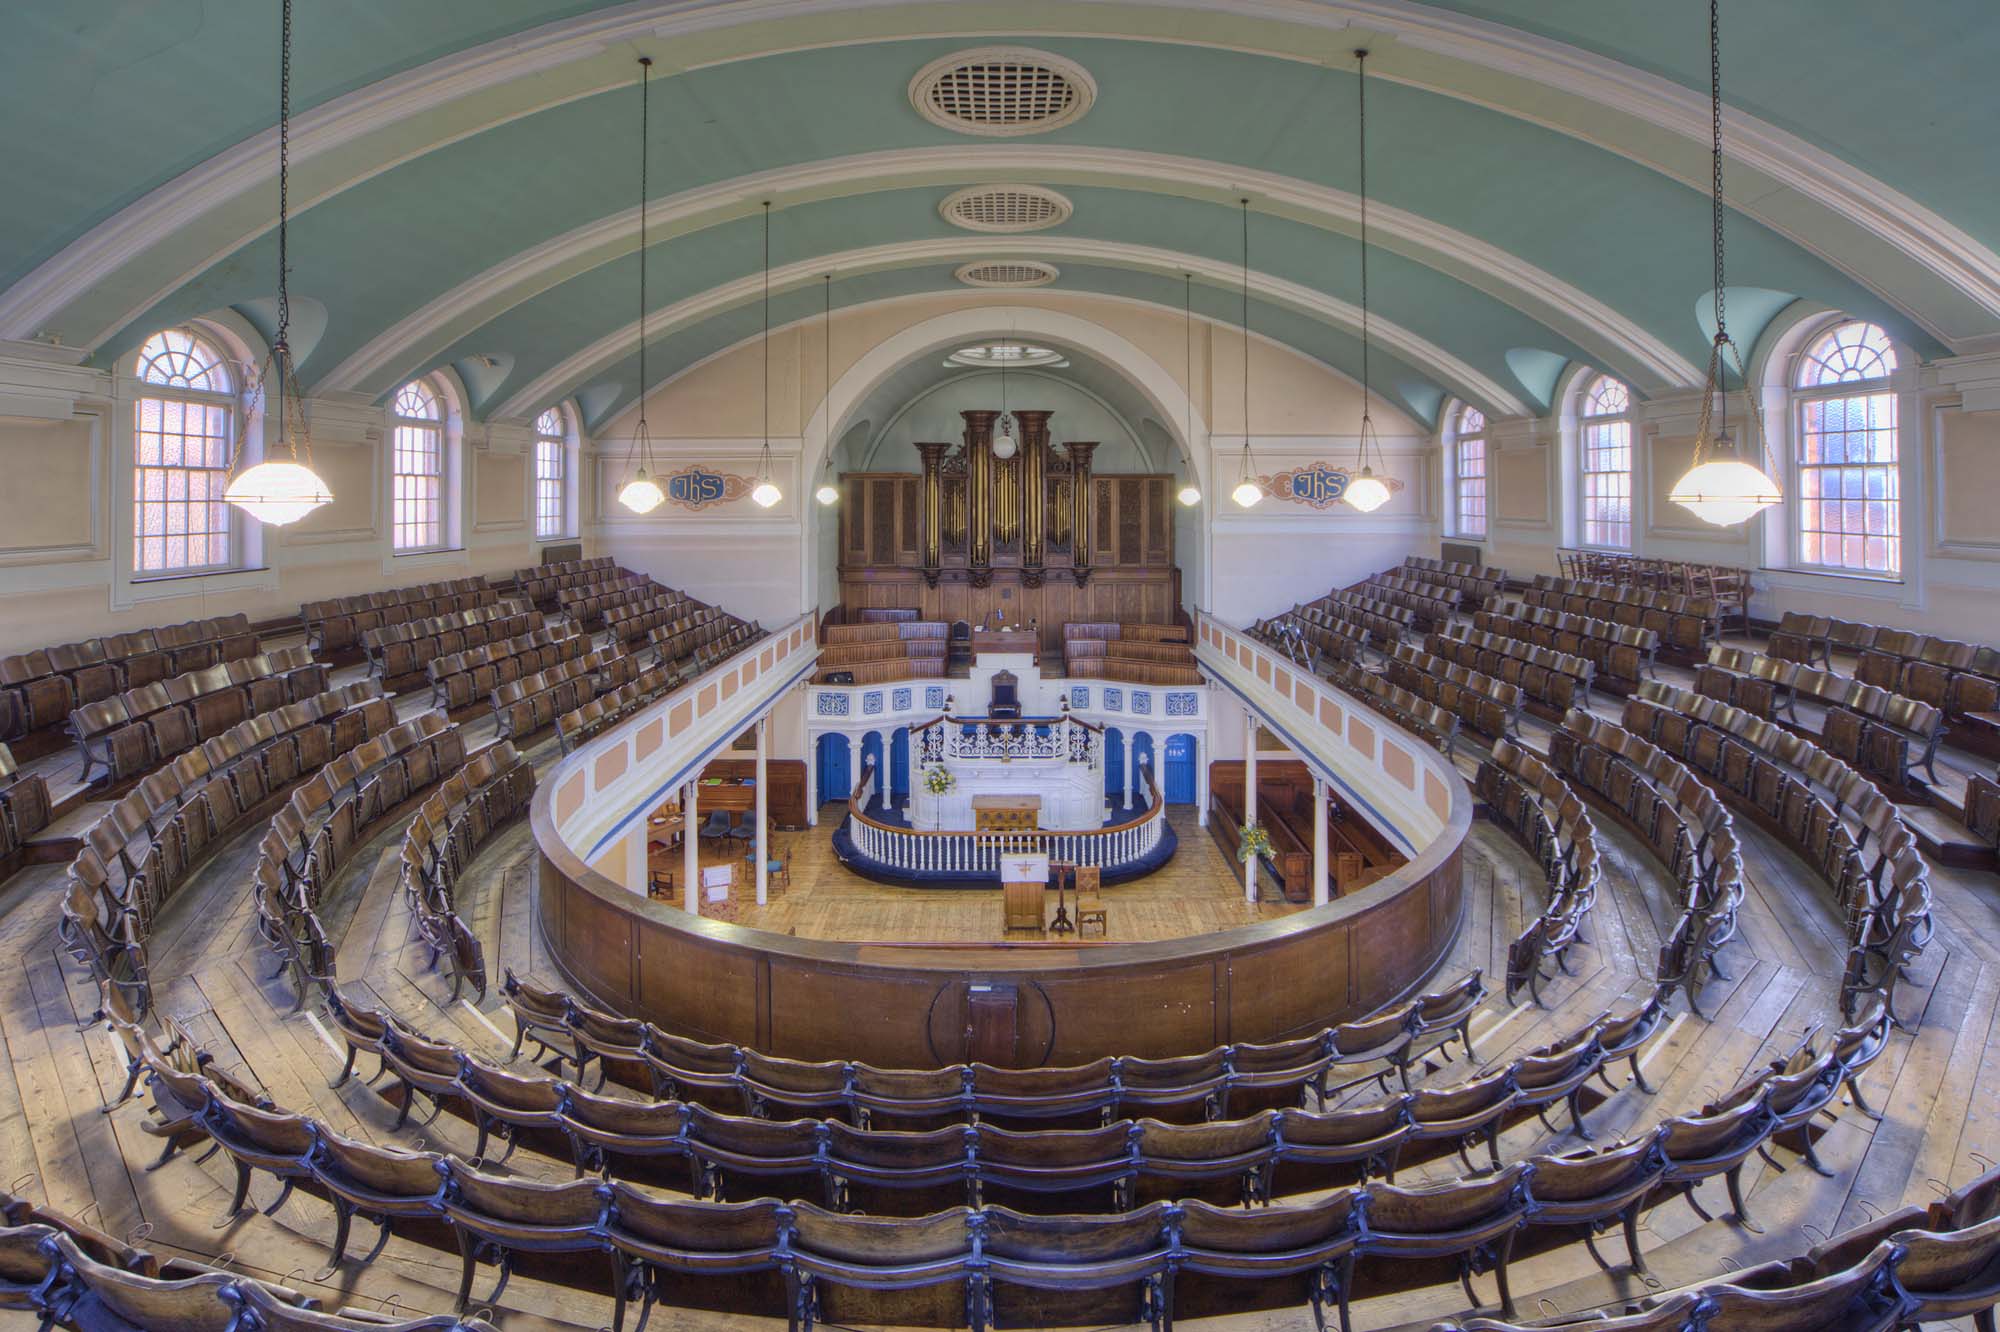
x,y
1024,882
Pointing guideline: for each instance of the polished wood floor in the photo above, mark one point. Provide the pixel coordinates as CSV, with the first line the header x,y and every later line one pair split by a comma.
x,y
1935,1082
1199,891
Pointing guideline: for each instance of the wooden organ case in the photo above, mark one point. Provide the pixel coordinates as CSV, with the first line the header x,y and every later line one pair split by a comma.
x,y
1038,536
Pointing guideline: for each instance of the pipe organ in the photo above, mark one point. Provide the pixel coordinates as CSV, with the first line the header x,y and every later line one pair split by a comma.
x,y
1037,536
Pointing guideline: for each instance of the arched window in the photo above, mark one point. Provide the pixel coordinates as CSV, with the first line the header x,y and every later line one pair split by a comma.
x,y
1469,473
417,416
184,432
551,475
1604,510
1849,503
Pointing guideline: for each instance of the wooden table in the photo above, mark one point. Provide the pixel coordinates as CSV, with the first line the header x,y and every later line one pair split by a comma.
x,y
1006,813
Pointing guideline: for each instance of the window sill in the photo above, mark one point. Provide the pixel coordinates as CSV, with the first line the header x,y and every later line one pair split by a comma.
x,y
1844,575
424,552
225,571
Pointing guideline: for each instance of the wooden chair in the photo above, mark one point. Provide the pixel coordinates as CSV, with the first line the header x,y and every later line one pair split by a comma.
x,y
1089,904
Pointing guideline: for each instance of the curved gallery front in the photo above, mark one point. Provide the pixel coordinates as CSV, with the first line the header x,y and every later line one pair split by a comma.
x,y
1020,1005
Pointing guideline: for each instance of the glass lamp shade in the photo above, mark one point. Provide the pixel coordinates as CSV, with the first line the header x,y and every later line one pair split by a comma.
x,y
277,493
1725,492
641,494
1247,493
827,494
766,494
1003,446
1189,496
1366,492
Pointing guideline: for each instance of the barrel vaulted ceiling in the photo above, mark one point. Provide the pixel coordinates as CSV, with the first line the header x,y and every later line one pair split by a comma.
x,y
465,177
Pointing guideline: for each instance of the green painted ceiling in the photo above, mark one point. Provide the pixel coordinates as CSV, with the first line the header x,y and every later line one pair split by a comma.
x,y
123,97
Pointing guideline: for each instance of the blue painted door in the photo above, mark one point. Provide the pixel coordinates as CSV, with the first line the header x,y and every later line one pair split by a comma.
x,y
1114,763
871,752
1180,769
833,751
899,764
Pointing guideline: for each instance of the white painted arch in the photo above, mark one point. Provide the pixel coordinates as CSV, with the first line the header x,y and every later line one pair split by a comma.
x,y
1457,375
1935,270
1601,329
926,338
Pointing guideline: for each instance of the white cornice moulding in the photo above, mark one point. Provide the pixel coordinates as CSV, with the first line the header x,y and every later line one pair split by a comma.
x,y
1889,217
1459,376
1976,378
1567,309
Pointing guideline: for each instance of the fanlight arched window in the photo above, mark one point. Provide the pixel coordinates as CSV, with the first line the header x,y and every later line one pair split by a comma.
x,y
1469,473
418,462
184,432
1604,508
1849,503
551,475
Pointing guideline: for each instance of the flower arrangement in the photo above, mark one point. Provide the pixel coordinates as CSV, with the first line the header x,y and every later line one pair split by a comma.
x,y
938,780
1252,840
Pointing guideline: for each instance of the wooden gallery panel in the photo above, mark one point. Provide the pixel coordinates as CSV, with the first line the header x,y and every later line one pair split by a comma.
x,y
1135,527
882,520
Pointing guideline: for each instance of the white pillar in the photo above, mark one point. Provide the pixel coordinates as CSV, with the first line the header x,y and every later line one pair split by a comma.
x,y
690,849
637,872
759,840
1320,892
1131,766
1201,779
1249,798
812,781
853,763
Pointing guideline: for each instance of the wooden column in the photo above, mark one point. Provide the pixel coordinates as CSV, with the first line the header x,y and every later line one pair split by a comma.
x,y
1034,503
979,495
931,512
1083,507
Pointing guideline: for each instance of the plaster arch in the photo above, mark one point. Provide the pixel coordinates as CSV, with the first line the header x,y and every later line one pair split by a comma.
x,y
1158,385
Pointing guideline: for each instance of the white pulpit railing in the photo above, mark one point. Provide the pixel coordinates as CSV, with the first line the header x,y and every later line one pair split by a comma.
x,y
915,852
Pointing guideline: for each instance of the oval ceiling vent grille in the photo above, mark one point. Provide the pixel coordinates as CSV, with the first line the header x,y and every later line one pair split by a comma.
x,y
1005,208
1007,273
1002,90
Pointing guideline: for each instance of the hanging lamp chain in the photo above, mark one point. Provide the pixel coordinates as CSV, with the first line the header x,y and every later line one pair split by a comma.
x,y
1361,139
1243,471
644,432
1187,358
764,458
826,374
291,404
1713,425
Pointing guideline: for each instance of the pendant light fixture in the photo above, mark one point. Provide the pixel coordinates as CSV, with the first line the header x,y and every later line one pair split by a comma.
x,y
828,493
277,493
767,493
1247,491
1190,493
1723,486
1365,491
642,494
